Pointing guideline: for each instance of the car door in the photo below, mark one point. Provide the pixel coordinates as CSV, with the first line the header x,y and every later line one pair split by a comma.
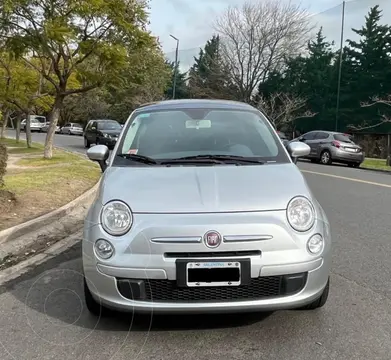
x,y
65,129
308,139
87,131
319,143
93,132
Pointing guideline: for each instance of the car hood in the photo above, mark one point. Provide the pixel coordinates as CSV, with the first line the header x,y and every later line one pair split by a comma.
x,y
202,189
111,132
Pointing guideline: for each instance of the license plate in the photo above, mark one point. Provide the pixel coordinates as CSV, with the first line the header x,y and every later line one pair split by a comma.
x,y
213,273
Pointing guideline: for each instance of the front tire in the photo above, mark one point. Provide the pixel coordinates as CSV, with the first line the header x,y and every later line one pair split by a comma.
x,y
325,157
321,301
93,306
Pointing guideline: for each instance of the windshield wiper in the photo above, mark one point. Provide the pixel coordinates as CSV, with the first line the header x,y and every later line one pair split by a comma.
x,y
139,158
223,158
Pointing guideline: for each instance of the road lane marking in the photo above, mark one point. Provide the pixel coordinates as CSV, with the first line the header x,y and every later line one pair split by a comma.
x,y
347,178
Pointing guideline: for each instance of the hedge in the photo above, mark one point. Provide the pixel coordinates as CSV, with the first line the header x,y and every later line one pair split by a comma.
x,y
3,163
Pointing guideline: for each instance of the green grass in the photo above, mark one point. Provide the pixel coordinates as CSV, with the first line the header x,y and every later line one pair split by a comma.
x,y
59,157
375,164
54,179
21,146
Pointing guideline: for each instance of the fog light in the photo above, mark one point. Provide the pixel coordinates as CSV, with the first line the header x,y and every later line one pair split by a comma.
x,y
104,249
315,244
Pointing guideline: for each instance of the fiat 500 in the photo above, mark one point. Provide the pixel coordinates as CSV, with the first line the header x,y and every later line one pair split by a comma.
x,y
201,208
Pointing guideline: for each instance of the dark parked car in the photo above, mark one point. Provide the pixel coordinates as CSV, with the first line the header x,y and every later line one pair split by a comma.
x,y
102,132
329,146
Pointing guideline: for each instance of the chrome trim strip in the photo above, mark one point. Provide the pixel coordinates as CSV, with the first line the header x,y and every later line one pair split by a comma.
x,y
177,240
241,238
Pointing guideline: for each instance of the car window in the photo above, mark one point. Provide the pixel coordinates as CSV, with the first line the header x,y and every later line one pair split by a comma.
x,y
77,125
343,138
179,133
67,125
109,125
309,136
321,135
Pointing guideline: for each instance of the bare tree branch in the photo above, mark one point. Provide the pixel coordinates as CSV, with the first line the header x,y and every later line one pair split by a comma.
x,y
283,108
375,100
257,37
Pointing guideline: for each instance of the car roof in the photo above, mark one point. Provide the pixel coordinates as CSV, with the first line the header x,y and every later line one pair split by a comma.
x,y
100,120
328,132
195,104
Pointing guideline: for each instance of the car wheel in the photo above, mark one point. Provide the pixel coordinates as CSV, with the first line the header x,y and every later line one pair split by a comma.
x,y
325,157
321,301
93,306
86,143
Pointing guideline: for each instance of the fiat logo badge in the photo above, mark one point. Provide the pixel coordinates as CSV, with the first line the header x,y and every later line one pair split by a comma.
x,y
212,239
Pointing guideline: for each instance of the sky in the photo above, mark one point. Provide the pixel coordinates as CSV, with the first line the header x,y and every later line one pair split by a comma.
x,y
191,21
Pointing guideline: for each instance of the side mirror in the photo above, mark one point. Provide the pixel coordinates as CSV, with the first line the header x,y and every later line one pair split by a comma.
x,y
298,149
99,153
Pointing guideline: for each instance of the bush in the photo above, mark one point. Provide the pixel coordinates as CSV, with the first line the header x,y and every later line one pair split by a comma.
x,y
3,163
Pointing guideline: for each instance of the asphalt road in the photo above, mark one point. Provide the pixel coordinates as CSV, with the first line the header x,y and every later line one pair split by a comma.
x,y
71,142
42,315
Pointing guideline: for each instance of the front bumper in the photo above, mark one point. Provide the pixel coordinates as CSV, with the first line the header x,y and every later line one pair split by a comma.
x,y
142,275
109,142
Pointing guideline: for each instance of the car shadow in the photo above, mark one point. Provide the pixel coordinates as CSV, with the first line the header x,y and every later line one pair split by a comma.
x,y
54,292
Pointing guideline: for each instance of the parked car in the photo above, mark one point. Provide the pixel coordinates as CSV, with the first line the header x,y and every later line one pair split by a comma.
x,y
103,132
283,137
46,128
329,146
202,209
72,129
35,125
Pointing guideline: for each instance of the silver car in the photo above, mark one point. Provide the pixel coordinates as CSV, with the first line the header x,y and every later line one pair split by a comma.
x,y
329,146
72,129
202,209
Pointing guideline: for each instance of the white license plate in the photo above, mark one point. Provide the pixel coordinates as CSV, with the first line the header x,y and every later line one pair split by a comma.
x,y
213,273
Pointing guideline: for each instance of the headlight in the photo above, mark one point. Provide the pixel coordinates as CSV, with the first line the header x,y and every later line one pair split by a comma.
x,y
104,249
116,218
300,214
315,244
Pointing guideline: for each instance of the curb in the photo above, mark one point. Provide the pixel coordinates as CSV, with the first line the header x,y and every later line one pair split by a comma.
x,y
44,220
388,172
17,270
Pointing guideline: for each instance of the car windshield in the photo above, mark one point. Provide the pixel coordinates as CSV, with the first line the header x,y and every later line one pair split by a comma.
x,y
343,138
40,119
109,125
174,134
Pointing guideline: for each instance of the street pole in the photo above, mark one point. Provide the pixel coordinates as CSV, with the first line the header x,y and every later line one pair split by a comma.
x,y
340,66
176,66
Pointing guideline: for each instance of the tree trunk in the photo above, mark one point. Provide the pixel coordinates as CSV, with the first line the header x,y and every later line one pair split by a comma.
x,y
6,114
53,119
18,121
28,129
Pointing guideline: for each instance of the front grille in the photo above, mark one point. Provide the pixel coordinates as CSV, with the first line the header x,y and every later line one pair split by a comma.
x,y
167,291
211,254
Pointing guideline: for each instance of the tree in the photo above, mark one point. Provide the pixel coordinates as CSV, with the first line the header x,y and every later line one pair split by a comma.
x,y
367,70
258,37
209,76
181,89
80,44
282,109
22,89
